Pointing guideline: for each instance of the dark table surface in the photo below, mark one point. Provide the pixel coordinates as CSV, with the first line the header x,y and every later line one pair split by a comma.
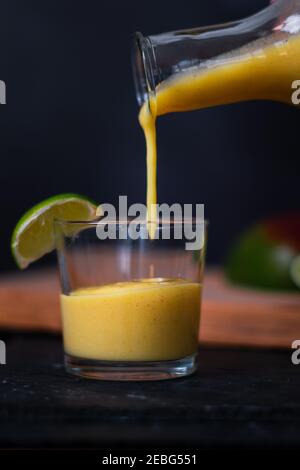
x,y
237,399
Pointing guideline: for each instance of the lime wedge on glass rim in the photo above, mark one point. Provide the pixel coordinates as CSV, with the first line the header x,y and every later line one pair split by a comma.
x,y
295,270
33,235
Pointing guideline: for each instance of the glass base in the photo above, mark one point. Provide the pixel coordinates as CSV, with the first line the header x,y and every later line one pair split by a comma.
x,y
131,370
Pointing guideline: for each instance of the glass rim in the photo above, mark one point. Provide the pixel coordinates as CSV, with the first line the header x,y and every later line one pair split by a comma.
x,y
132,220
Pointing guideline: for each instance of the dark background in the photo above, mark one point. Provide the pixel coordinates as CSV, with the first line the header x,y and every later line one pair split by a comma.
x,y
70,123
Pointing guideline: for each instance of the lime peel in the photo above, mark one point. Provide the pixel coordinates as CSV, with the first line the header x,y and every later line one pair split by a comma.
x,y
33,235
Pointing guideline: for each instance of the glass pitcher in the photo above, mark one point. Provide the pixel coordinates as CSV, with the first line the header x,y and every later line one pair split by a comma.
x,y
255,58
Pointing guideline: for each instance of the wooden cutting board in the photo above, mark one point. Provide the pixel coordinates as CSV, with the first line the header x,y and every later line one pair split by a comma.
x,y
230,315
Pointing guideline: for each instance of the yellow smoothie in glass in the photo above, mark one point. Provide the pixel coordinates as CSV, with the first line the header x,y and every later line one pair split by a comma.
x,y
146,320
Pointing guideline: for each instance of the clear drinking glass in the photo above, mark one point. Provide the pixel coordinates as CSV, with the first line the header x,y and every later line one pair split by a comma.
x,y
130,304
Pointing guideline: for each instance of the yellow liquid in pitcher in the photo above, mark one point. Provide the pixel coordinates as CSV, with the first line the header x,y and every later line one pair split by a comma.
x,y
146,320
258,71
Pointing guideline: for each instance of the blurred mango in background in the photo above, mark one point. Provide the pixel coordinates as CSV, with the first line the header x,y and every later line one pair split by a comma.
x,y
267,255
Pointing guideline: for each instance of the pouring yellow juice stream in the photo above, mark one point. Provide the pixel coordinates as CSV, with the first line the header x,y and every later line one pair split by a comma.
x,y
159,320
262,70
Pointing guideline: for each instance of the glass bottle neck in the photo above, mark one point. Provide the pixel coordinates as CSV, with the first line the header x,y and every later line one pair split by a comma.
x,y
159,57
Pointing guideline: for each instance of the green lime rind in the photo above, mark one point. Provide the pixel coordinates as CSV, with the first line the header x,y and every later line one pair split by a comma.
x,y
49,202
259,262
295,271
41,211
